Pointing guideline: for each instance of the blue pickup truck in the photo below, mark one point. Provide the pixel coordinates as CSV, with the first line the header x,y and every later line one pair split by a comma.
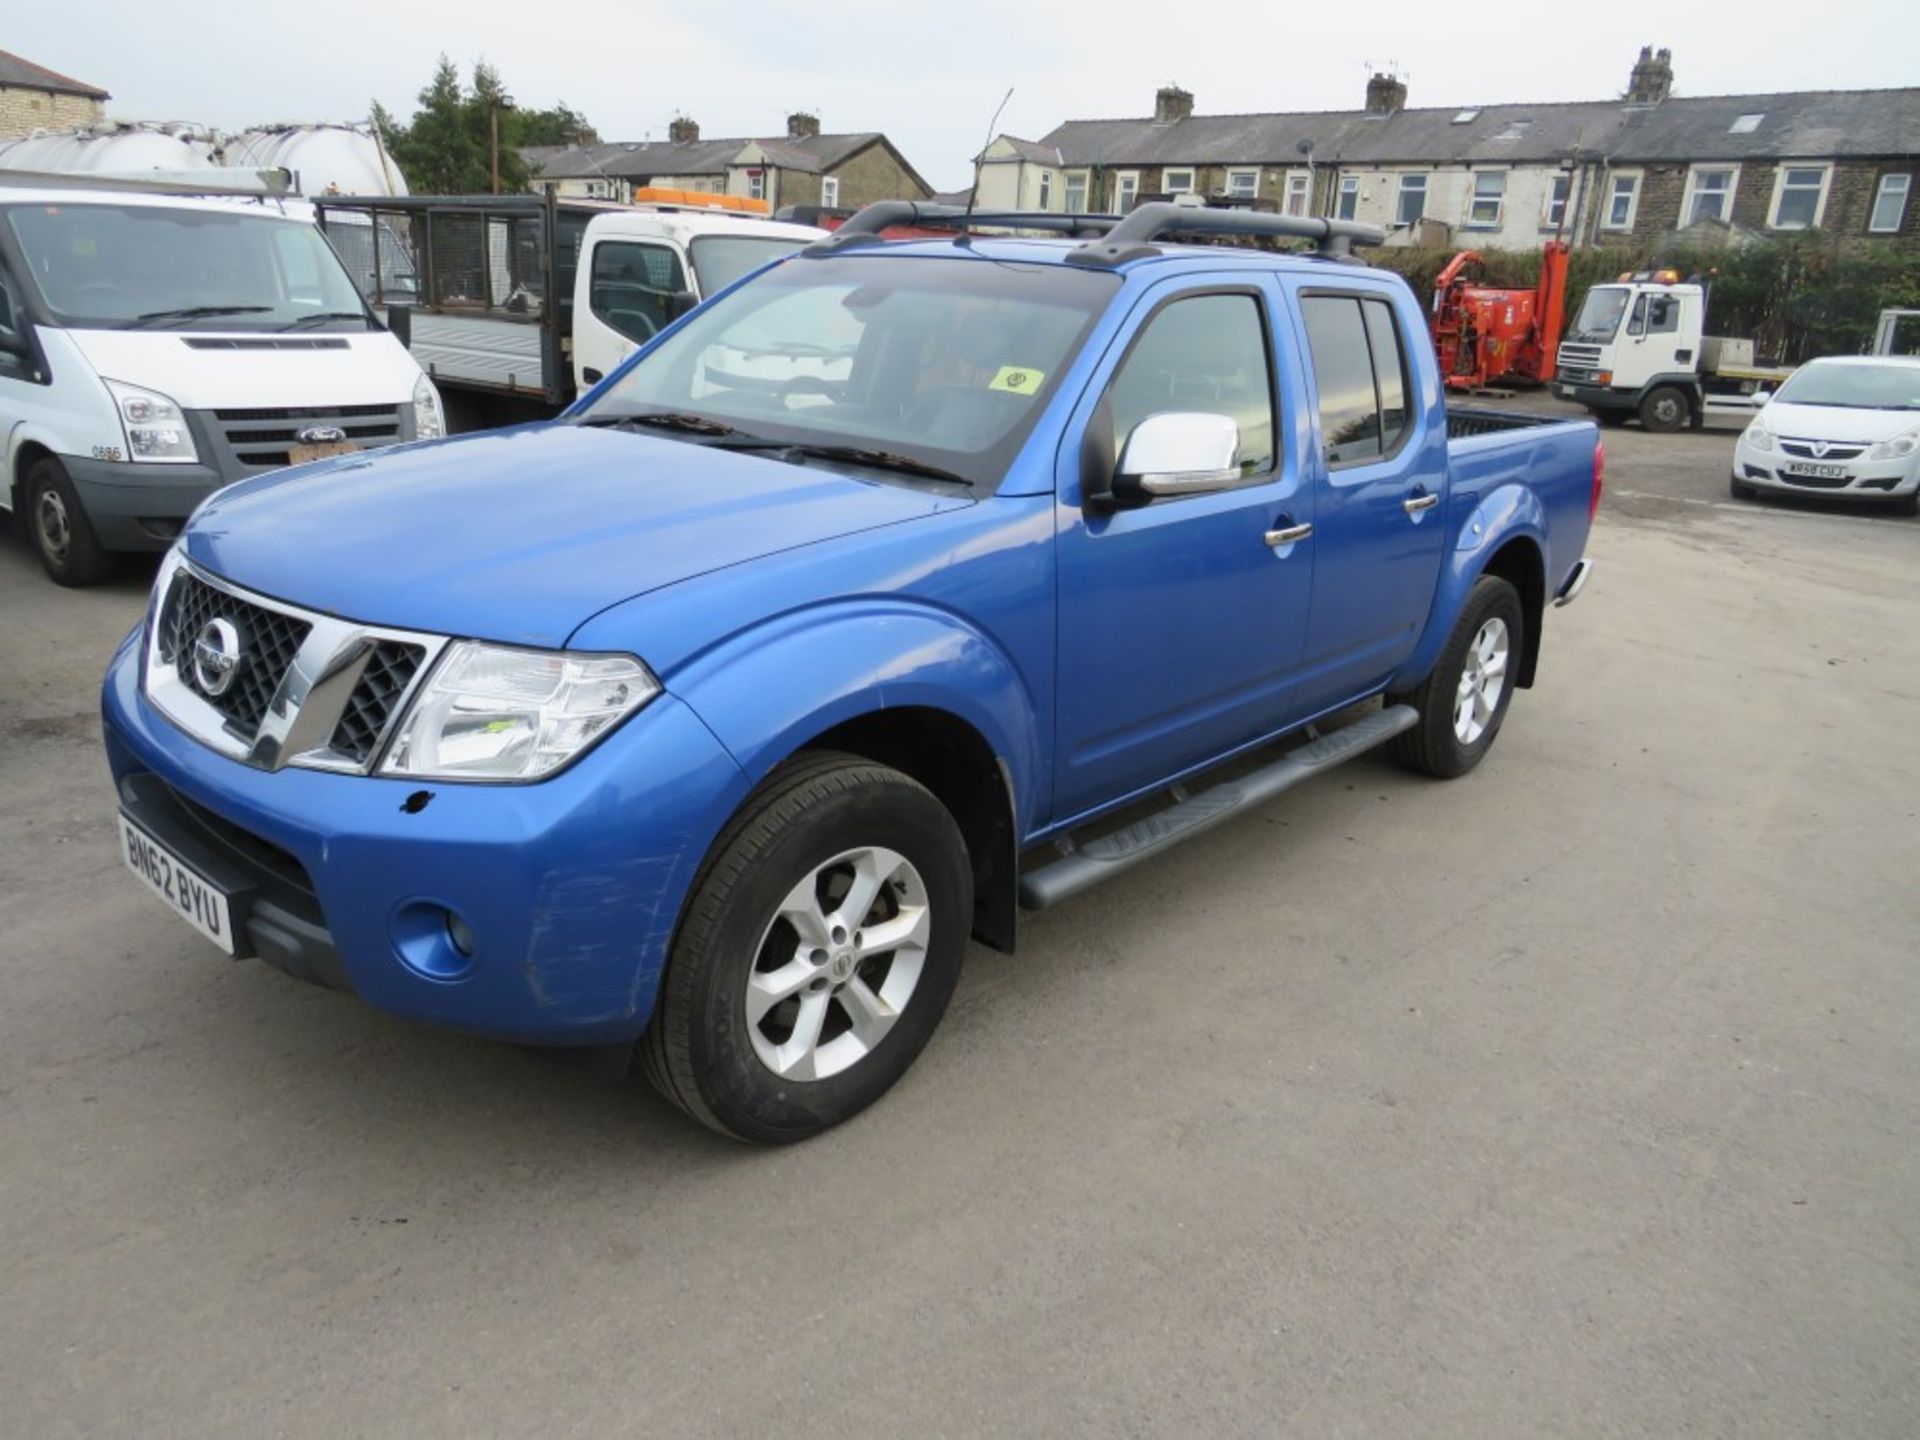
x,y
902,585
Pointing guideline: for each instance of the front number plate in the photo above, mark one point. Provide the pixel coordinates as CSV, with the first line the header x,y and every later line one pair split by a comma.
x,y
1817,472
301,454
188,893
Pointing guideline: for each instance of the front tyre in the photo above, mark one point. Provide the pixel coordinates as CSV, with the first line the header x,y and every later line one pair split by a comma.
x,y
57,523
816,955
1464,699
1664,409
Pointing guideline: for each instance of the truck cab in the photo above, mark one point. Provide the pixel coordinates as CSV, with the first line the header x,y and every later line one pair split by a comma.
x,y
515,304
1638,348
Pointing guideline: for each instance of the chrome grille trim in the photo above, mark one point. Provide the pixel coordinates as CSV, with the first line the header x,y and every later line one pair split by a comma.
x,y
317,706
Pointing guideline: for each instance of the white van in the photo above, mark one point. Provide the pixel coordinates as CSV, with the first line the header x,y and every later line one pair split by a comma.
x,y
154,347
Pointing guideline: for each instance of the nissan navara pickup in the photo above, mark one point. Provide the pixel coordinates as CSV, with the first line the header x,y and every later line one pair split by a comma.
x,y
899,586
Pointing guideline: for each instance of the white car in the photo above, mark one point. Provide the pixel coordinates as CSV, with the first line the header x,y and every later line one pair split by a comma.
x,y
1846,426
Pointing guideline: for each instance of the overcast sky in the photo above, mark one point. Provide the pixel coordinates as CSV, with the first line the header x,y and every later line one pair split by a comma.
x,y
930,76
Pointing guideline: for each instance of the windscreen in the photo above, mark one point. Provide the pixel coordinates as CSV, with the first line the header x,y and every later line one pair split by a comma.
x,y
155,267
1858,387
719,260
948,361
1599,318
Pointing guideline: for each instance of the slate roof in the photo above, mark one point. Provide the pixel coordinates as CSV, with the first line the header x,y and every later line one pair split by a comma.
x,y
1803,124
1026,150
23,74
639,159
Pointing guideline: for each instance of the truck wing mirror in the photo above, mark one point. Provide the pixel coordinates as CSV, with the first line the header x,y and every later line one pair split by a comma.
x,y
1178,452
679,303
400,322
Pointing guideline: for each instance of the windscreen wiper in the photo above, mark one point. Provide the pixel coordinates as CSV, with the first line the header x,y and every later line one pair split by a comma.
x,y
319,315
878,459
662,420
194,312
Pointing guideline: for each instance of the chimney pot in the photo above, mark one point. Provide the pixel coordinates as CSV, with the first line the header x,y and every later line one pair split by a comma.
x,y
1171,103
802,126
683,131
1385,94
1652,77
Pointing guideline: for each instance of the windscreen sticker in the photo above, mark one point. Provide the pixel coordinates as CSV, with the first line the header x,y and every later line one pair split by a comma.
x,y
1017,380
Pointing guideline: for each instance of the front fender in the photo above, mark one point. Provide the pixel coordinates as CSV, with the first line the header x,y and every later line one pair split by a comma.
x,y
1505,514
767,691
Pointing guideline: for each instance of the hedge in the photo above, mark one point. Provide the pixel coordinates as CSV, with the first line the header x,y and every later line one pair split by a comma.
x,y
1795,298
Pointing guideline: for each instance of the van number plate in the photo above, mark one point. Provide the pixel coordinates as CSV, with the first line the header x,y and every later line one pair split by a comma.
x,y
1817,472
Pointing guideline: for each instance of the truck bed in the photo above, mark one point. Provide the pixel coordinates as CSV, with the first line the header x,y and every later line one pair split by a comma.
x,y
1491,451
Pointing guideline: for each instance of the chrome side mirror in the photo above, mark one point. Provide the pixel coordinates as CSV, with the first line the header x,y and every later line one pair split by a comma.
x,y
1178,452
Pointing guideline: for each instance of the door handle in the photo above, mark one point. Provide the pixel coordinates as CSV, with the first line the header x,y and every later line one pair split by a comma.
x,y
591,375
1287,534
1413,505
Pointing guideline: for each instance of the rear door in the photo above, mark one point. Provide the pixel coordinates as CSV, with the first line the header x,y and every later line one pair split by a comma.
x,y
1380,460
1180,620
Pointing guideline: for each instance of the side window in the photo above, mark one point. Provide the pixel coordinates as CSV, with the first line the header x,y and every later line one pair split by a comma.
x,y
631,284
16,349
1208,353
1637,322
1360,373
1663,315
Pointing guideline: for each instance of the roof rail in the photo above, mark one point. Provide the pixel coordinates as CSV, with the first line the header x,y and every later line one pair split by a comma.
x,y
1133,238
865,227
271,182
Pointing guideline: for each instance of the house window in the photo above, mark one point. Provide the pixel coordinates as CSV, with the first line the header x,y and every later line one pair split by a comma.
x,y
1298,187
1177,182
1413,199
830,191
1126,189
1890,204
756,184
1623,197
1046,189
1554,216
1349,197
1244,184
1799,195
1077,193
1489,190
1709,196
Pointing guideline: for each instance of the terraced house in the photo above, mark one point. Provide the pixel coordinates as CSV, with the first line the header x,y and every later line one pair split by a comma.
x,y
802,167
1509,176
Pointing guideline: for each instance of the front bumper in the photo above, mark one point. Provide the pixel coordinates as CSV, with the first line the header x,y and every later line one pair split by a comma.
x,y
135,506
1862,479
1595,397
571,887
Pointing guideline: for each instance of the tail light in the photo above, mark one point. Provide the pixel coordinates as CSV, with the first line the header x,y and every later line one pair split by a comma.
x,y
1599,478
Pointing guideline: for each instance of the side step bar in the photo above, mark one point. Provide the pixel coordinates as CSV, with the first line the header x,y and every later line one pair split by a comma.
x,y
1108,855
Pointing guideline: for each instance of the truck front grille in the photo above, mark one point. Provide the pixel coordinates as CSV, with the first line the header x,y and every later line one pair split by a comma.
x,y
262,439
268,642
370,709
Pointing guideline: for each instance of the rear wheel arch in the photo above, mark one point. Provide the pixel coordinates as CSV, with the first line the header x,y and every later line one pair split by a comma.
x,y
1520,564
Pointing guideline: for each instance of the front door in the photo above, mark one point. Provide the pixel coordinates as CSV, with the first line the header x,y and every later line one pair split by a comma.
x,y
629,292
1381,520
1181,620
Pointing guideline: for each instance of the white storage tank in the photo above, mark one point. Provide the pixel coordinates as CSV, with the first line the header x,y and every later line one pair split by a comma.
x,y
114,147
324,159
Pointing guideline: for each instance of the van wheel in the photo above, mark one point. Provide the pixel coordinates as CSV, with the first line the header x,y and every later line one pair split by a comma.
x,y
1664,410
1741,492
817,954
1464,699
58,525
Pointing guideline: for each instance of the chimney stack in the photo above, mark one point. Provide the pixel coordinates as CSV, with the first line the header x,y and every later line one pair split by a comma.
x,y
1385,94
1171,103
1652,78
802,126
683,131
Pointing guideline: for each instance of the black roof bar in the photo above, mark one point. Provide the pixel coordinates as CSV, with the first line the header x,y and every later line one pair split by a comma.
x,y
865,226
1133,237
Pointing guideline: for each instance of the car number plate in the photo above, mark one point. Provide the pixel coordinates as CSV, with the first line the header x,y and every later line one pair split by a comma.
x,y
1818,472
301,454
187,892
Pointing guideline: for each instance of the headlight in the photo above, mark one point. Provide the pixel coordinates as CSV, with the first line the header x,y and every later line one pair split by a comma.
x,y
1759,437
490,712
155,429
1898,448
429,420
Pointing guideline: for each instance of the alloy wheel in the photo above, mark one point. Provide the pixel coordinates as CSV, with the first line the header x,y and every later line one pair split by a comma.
x,y
1483,679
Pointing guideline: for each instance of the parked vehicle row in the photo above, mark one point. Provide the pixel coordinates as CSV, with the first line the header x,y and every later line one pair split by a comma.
x,y
719,714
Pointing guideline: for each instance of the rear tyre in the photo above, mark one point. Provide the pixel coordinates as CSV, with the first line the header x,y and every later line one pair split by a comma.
x,y
57,525
817,953
1741,492
1463,701
1664,410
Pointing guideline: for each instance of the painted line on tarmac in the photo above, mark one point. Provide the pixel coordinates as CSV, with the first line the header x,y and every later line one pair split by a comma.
x,y
1747,507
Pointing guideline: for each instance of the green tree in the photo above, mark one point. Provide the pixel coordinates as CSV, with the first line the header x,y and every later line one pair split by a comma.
x,y
446,149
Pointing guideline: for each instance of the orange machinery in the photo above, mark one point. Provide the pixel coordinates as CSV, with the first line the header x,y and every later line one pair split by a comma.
x,y
1485,334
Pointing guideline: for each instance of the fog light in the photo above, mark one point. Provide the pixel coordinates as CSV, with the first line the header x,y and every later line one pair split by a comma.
x,y
433,940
